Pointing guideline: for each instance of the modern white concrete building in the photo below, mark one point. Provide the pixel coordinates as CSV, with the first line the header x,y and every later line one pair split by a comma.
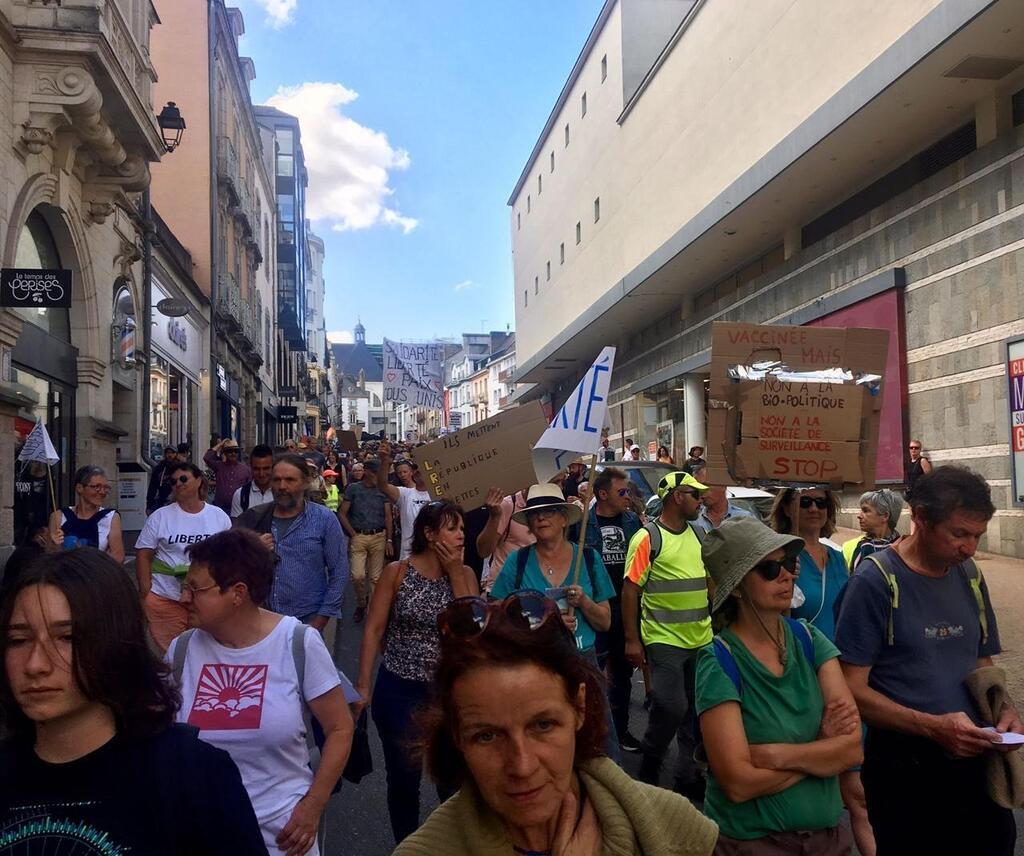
x,y
771,163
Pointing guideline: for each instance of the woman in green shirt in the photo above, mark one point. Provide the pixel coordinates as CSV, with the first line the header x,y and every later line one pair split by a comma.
x,y
778,721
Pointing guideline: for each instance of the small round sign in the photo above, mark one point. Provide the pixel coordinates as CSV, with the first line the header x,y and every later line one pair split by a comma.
x,y
173,307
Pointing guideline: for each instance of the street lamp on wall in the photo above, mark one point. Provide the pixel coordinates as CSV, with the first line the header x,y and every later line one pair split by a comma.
x,y
172,125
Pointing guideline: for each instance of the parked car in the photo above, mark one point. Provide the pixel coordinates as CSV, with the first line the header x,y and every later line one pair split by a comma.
x,y
646,475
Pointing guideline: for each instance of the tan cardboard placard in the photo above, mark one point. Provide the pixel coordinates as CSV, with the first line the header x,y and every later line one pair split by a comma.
x,y
493,453
793,432
348,441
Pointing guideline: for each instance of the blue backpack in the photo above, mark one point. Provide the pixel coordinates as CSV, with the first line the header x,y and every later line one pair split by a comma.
x,y
727,661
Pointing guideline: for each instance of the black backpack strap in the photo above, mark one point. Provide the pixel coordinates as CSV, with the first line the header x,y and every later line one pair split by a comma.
x,y
246,493
180,653
522,557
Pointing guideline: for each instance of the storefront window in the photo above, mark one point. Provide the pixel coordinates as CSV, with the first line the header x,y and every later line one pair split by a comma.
x,y
37,250
173,398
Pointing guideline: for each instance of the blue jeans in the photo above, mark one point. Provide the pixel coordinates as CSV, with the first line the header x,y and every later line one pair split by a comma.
x,y
395,701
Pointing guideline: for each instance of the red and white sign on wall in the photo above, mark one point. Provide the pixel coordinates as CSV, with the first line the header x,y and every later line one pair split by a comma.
x,y
1015,403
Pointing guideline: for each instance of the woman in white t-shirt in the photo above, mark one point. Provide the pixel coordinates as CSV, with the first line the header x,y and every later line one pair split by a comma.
x,y
161,560
240,687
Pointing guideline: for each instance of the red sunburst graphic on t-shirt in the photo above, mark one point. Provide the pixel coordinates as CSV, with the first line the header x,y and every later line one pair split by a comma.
x,y
228,697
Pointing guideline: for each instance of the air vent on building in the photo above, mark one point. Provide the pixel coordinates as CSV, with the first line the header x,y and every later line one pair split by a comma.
x,y
984,67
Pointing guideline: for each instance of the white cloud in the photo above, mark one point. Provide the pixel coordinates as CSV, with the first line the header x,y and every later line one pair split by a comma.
x,y
349,164
341,337
279,12
465,285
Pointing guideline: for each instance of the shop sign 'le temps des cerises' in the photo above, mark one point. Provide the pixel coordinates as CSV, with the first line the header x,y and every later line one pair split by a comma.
x,y
35,289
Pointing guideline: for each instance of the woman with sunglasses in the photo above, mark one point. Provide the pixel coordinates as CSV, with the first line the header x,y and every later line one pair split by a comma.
x,y
778,720
548,566
404,607
517,725
811,514
94,763
161,557
823,575
87,523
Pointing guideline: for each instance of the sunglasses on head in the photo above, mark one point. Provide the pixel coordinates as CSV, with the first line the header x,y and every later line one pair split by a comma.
x,y
769,569
468,617
819,501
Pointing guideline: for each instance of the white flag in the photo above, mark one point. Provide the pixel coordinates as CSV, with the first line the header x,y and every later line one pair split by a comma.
x,y
576,428
38,446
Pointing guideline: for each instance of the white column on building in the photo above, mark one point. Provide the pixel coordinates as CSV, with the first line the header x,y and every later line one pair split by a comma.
x,y
693,410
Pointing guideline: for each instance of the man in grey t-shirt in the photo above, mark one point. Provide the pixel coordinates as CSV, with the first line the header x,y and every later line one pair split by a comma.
x,y
365,514
906,657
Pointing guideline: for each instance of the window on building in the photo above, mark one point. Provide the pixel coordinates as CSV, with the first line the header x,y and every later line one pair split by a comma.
x,y
579,233
519,220
536,285
529,204
552,161
526,298
567,136
597,209
548,272
604,68
583,105
561,253
540,184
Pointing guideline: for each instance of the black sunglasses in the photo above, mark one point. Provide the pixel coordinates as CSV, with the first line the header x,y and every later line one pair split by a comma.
x,y
820,501
468,617
182,479
769,569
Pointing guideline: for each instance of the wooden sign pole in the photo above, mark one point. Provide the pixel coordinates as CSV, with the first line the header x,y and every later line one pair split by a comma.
x,y
583,528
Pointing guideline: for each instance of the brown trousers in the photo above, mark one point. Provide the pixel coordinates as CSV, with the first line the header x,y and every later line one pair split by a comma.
x,y
836,841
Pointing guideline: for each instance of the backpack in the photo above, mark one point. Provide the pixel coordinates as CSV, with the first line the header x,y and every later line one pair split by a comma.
x,y
244,494
652,528
523,556
970,571
726,660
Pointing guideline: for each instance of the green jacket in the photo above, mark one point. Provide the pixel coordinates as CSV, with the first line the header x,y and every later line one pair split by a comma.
x,y
636,820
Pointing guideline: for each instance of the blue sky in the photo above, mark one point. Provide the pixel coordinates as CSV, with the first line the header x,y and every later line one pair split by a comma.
x,y
423,118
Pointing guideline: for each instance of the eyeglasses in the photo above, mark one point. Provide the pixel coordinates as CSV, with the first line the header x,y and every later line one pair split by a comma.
x,y
769,569
818,501
691,493
468,617
193,591
915,448
539,513
99,488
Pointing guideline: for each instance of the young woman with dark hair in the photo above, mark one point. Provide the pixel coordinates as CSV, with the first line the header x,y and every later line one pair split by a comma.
x,y
240,687
92,752
517,724
405,605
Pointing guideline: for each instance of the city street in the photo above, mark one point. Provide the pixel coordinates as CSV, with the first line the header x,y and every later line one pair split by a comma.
x,y
357,823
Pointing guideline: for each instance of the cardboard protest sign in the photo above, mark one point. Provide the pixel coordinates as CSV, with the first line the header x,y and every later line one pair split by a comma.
x,y
576,428
412,374
348,441
794,405
38,446
493,453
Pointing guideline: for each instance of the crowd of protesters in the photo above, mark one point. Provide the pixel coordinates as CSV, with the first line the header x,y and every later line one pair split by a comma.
x,y
200,710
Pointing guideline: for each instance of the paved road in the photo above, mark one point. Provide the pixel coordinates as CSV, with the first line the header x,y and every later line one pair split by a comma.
x,y
357,823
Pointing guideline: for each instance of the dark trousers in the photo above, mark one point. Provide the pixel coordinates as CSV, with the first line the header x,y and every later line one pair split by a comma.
x,y
611,650
922,801
395,701
673,672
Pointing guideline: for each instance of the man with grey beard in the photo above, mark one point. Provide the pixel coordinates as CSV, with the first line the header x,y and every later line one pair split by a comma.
x,y
312,569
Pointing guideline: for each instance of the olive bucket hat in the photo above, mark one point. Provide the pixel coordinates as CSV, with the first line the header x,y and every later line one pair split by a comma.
x,y
732,550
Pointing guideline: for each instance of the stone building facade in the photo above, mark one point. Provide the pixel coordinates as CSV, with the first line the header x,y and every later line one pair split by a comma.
x,y
77,136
